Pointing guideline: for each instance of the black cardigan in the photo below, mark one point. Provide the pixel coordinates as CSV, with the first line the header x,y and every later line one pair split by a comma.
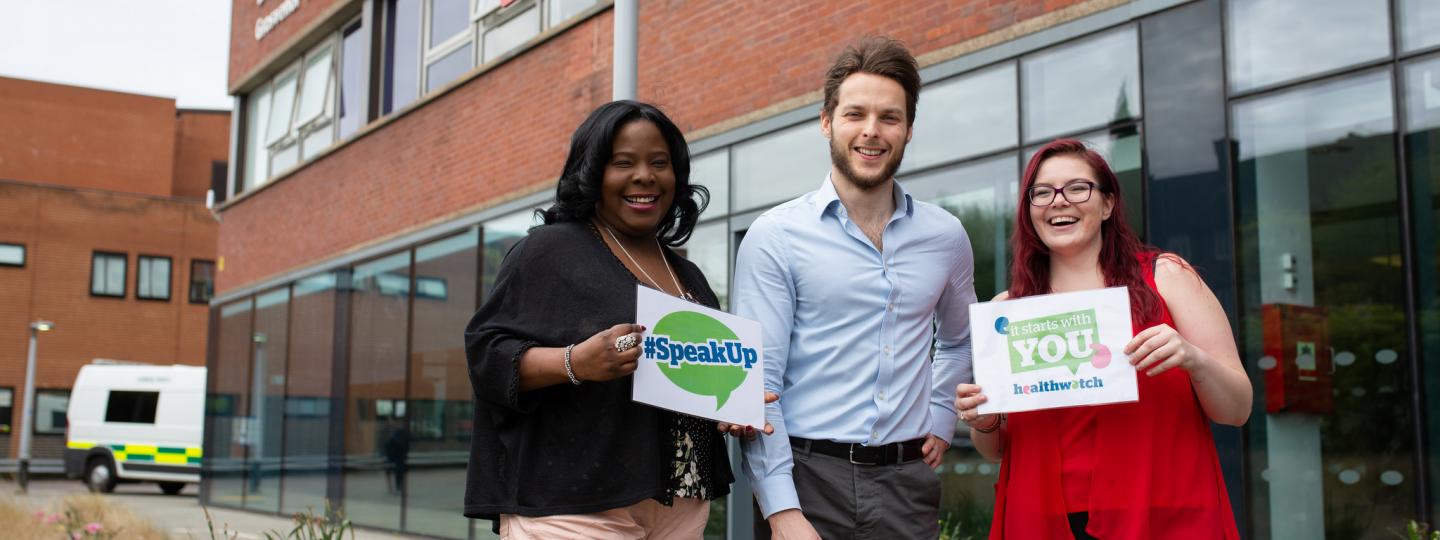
x,y
565,449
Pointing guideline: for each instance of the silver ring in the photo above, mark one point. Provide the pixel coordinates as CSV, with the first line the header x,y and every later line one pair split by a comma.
x,y
624,343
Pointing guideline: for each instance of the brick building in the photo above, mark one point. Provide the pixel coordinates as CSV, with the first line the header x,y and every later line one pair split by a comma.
x,y
103,231
387,152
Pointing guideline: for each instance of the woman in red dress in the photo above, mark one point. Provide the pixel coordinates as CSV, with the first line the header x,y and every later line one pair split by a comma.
x,y
1123,471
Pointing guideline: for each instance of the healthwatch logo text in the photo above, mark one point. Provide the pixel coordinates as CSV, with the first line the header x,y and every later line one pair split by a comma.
x,y
700,355
1065,340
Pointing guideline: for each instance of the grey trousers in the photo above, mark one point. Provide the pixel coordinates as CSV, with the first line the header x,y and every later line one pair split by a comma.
x,y
845,501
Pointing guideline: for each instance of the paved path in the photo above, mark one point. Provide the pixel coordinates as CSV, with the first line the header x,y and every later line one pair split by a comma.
x,y
180,514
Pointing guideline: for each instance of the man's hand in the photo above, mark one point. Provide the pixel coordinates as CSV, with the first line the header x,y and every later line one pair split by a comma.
x,y
934,450
791,525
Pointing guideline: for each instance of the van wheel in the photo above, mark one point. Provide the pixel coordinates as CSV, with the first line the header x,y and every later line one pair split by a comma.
x,y
172,488
100,475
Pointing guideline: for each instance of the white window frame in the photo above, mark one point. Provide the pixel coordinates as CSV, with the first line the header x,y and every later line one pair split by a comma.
x,y
498,17
430,55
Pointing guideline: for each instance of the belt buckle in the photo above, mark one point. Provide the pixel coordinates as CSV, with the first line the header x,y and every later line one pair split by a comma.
x,y
852,457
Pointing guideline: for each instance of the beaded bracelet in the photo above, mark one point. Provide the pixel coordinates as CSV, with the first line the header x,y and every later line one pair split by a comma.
x,y
568,372
998,420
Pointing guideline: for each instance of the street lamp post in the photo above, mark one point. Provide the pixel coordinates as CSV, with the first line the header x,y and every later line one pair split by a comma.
x,y
28,410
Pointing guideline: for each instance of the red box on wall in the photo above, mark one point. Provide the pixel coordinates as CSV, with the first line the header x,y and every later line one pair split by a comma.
x,y
1301,379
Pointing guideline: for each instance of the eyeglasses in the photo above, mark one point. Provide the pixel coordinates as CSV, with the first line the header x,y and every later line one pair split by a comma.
x,y
1074,193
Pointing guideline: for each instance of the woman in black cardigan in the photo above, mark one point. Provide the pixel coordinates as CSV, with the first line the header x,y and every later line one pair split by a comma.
x,y
559,448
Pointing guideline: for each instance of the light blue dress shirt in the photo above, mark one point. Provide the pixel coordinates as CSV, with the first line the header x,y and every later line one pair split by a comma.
x,y
848,328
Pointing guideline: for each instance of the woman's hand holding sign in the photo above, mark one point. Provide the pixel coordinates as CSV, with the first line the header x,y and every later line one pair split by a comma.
x,y
605,355
748,432
1159,348
968,398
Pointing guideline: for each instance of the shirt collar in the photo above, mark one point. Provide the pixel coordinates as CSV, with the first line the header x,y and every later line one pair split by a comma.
x,y
827,199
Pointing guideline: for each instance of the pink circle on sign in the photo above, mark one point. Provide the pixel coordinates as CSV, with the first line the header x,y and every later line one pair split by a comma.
x,y
1102,356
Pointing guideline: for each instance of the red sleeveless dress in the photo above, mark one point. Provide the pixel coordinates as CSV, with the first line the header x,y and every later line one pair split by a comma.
x,y
1142,470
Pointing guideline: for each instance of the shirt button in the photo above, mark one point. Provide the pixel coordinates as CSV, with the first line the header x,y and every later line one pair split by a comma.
x,y
881,395
887,350
890,307
874,434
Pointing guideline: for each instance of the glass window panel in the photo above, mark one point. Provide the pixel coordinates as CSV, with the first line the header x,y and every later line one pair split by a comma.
x,y
1422,148
441,405
447,68
153,278
315,89
709,250
282,106
12,255
7,416
560,10
1065,90
965,116
267,400
510,34
500,235
374,421
257,151
1419,24
307,394
779,166
284,157
982,195
448,18
1320,268
1121,149
50,406
107,274
712,170
227,433
316,141
202,281
352,81
1280,40
402,53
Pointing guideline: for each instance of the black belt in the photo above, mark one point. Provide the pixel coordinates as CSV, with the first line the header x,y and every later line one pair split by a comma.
x,y
859,454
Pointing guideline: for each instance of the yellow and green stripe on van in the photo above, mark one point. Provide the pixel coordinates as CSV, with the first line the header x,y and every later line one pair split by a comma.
x,y
168,455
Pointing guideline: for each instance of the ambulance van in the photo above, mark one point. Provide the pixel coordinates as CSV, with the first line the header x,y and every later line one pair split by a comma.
x,y
135,423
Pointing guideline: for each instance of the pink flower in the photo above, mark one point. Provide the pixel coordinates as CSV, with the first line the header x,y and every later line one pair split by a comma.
x,y
93,527
51,519
39,514
74,536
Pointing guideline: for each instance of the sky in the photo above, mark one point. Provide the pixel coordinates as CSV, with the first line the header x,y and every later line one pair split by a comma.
x,y
169,48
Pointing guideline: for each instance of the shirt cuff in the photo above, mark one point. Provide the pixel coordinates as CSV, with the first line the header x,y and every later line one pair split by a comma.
x,y
776,493
943,422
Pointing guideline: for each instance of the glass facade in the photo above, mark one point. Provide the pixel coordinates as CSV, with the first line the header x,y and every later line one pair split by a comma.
x,y
1285,148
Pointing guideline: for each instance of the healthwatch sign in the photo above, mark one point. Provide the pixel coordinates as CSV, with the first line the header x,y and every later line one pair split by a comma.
x,y
1053,350
698,361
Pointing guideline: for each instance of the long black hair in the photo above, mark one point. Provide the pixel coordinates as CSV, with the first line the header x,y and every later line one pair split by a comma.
x,y
590,151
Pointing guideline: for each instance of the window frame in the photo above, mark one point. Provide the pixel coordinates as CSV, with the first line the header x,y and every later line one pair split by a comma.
x,y
35,412
503,15
154,408
190,290
8,420
95,255
24,255
169,277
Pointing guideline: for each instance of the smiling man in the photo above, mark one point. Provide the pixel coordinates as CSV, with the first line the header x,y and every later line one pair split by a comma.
x,y
852,284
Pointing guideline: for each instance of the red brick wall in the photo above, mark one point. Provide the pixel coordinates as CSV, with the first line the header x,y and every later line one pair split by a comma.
x,y
200,138
508,130
60,228
87,138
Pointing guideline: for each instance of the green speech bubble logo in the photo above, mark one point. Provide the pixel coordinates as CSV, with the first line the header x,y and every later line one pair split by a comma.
x,y
700,355
1064,340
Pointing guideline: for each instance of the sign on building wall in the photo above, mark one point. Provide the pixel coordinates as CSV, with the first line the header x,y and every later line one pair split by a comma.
x,y
267,22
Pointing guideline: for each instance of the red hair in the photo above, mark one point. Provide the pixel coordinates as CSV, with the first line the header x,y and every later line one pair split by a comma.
x,y
1120,248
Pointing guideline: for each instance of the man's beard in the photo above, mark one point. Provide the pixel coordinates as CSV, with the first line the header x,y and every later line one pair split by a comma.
x,y
839,156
